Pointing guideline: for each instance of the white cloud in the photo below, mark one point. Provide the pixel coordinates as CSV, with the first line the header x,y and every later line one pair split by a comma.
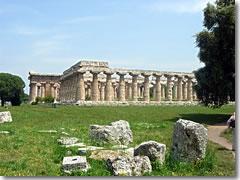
x,y
84,19
29,31
193,6
46,47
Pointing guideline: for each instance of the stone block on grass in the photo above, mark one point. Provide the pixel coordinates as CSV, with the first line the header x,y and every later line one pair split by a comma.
x,y
189,141
152,149
72,163
129,166
5,117
67,140
118,132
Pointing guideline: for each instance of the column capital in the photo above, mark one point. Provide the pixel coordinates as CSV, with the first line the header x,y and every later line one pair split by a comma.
x,y
38,84
121,73
81,71
157,74
189,77
168,75
95,71
146,74
179,76
134,73
109,72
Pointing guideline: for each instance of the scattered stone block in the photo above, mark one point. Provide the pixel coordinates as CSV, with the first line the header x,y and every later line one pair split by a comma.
x,y
118,132
128,152
189,141
82,151
67,140
5,117
77,144
4,132
64,133
152,149
75,163
129,166
47,131
119,147
104,155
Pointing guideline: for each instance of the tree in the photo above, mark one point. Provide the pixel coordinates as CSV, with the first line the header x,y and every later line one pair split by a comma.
x,y
216,80
11,89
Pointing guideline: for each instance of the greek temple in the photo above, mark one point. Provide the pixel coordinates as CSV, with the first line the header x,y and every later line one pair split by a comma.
x,y
96,81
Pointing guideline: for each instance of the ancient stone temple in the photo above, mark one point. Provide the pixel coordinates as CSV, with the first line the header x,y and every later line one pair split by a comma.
x,y
42,85
97,82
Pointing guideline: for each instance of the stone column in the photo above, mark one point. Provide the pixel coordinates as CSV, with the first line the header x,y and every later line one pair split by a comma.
x,y
189,91
158,88
102,91
139,90
109,88
115,91
175,90
80,88
52,89
134,86
163,91
89,90
42,90
121,88
126,90
94,91
146,86
179,92
130,90
194,92
32,92
154,91
184,90
38,89
169,87
55,92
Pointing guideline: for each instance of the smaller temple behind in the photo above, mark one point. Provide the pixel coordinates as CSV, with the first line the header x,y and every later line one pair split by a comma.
x,y
42,85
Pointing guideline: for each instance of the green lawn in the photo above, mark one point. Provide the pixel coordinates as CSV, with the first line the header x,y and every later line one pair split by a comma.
x,y
26,152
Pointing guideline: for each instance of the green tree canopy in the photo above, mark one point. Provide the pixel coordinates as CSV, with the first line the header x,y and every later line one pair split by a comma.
x,y
216,80
11,89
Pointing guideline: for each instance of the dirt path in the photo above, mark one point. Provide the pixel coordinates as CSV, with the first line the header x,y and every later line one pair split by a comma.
x,y
214,135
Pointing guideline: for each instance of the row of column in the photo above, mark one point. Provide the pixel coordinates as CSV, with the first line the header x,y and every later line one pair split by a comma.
x,y
42,90
74,89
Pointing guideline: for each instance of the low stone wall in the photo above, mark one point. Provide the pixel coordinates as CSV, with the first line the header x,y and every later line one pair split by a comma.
x,y
131,103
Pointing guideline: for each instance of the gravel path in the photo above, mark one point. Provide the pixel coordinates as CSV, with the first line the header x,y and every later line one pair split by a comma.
x,y
214,135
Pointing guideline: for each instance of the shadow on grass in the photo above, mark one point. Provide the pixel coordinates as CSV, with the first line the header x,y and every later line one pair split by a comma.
x,y
209,119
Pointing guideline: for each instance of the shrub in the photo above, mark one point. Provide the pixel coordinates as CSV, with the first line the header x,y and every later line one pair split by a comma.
x,y
34,103
38,99
48,99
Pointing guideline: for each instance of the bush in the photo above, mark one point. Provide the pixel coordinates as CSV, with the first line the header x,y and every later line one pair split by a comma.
x,y
34,103
38,99
48,99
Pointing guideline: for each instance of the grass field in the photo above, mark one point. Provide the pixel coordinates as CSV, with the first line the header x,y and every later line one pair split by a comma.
x,y
26,152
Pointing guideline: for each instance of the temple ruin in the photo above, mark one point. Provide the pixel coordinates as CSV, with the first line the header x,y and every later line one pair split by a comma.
x,y
42,85
96,81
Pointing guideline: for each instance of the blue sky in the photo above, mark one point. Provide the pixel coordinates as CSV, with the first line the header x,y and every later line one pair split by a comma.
x,y
50,36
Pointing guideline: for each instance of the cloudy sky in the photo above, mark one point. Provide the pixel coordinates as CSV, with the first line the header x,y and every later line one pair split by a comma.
x,y
50,36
